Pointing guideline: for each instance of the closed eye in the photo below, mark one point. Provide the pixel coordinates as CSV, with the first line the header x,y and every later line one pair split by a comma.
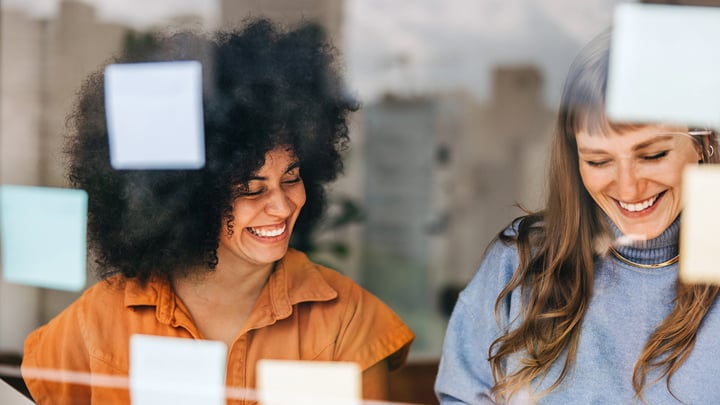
x,y
252,193
656,156
245,190
596,163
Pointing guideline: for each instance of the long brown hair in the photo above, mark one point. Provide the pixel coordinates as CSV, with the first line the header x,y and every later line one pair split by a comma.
x,y
556,248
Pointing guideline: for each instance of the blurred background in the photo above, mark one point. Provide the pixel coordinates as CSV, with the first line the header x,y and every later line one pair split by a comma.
x,y
459,100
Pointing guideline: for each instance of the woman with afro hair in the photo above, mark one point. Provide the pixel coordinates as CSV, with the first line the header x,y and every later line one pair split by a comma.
x,y
204,254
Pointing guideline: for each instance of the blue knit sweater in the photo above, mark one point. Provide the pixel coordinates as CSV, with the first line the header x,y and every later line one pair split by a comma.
x,y
628,303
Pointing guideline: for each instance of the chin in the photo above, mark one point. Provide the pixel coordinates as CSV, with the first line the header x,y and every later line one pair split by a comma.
x,y
642,233
275,256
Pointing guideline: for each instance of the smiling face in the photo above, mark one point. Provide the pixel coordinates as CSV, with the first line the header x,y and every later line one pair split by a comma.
x,y
635,177
265,214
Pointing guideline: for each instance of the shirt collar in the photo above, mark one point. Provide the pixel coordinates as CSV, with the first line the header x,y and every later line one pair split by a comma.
x,y
156,292
295,279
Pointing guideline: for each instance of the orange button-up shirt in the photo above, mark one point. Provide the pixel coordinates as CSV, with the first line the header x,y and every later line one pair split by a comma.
x,y
304,312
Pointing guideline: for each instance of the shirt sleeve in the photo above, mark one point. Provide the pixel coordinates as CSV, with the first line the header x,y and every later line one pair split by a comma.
x,y
371,332
464,374
54,355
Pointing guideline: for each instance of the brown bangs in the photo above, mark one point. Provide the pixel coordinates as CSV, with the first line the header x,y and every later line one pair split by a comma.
x,y
594,121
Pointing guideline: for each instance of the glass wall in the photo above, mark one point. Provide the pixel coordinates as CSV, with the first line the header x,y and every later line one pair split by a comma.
x,y
459,100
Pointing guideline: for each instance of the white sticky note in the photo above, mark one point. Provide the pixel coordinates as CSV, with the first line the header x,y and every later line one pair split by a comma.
x,y
155,115
43,234
665,64
169,370
285,382
11,396
699,255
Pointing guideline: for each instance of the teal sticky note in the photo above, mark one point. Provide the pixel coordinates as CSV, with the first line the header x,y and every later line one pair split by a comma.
x,y
43,236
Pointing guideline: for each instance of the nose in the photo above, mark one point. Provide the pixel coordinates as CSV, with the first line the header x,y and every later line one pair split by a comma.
x,y
278,204
630,182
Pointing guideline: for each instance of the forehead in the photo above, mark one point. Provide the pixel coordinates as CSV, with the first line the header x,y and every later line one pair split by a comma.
x,y
630,138
607,129
280,158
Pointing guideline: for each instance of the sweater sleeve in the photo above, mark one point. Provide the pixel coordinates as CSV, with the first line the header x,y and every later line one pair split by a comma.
x,y
464,375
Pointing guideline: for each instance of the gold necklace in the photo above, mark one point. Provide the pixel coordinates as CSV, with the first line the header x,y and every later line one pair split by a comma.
x,y
643,266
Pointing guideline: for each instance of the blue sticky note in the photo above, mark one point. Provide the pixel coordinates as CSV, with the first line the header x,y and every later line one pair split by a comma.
x,y
43,235
154,115
664,63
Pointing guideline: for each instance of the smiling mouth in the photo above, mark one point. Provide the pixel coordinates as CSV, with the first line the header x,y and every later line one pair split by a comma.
x,y
640,206
268,231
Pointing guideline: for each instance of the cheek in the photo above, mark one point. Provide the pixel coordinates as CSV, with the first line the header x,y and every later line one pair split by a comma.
x,y
245,211
675,181
671,175
592,181
299,197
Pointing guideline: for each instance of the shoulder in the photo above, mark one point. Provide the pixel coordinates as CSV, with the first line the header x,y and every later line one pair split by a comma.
x,y
346,287
64,339
501,257
103,298
91,307
497,268
305,275
369,330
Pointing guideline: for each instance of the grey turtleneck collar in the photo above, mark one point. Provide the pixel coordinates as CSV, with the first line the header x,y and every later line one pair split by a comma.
x,y
663,247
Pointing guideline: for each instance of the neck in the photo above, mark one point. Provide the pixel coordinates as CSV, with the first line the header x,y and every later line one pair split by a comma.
x,y
224,284
660,249
221,301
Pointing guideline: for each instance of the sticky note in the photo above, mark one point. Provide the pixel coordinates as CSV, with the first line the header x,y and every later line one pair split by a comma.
x,y
11,396
43,235
285,382
664,65
699,254
154,115
169,370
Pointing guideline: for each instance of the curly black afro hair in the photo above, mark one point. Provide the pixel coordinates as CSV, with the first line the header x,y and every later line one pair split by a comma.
x,y
262,88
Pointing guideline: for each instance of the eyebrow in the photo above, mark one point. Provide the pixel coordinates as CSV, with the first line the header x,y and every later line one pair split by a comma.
x,y
641,145
290,167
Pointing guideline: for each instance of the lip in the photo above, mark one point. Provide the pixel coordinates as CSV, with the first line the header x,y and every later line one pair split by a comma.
x,y
647,211
270,239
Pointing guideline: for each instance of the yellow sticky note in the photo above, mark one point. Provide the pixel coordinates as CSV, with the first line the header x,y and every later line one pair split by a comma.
x,y
286,382
699,253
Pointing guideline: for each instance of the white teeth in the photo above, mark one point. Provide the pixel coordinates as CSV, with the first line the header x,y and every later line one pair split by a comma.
x,y
639,206
268,233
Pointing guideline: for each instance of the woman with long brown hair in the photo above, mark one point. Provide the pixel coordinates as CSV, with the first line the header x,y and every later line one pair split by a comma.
x,y
580,302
